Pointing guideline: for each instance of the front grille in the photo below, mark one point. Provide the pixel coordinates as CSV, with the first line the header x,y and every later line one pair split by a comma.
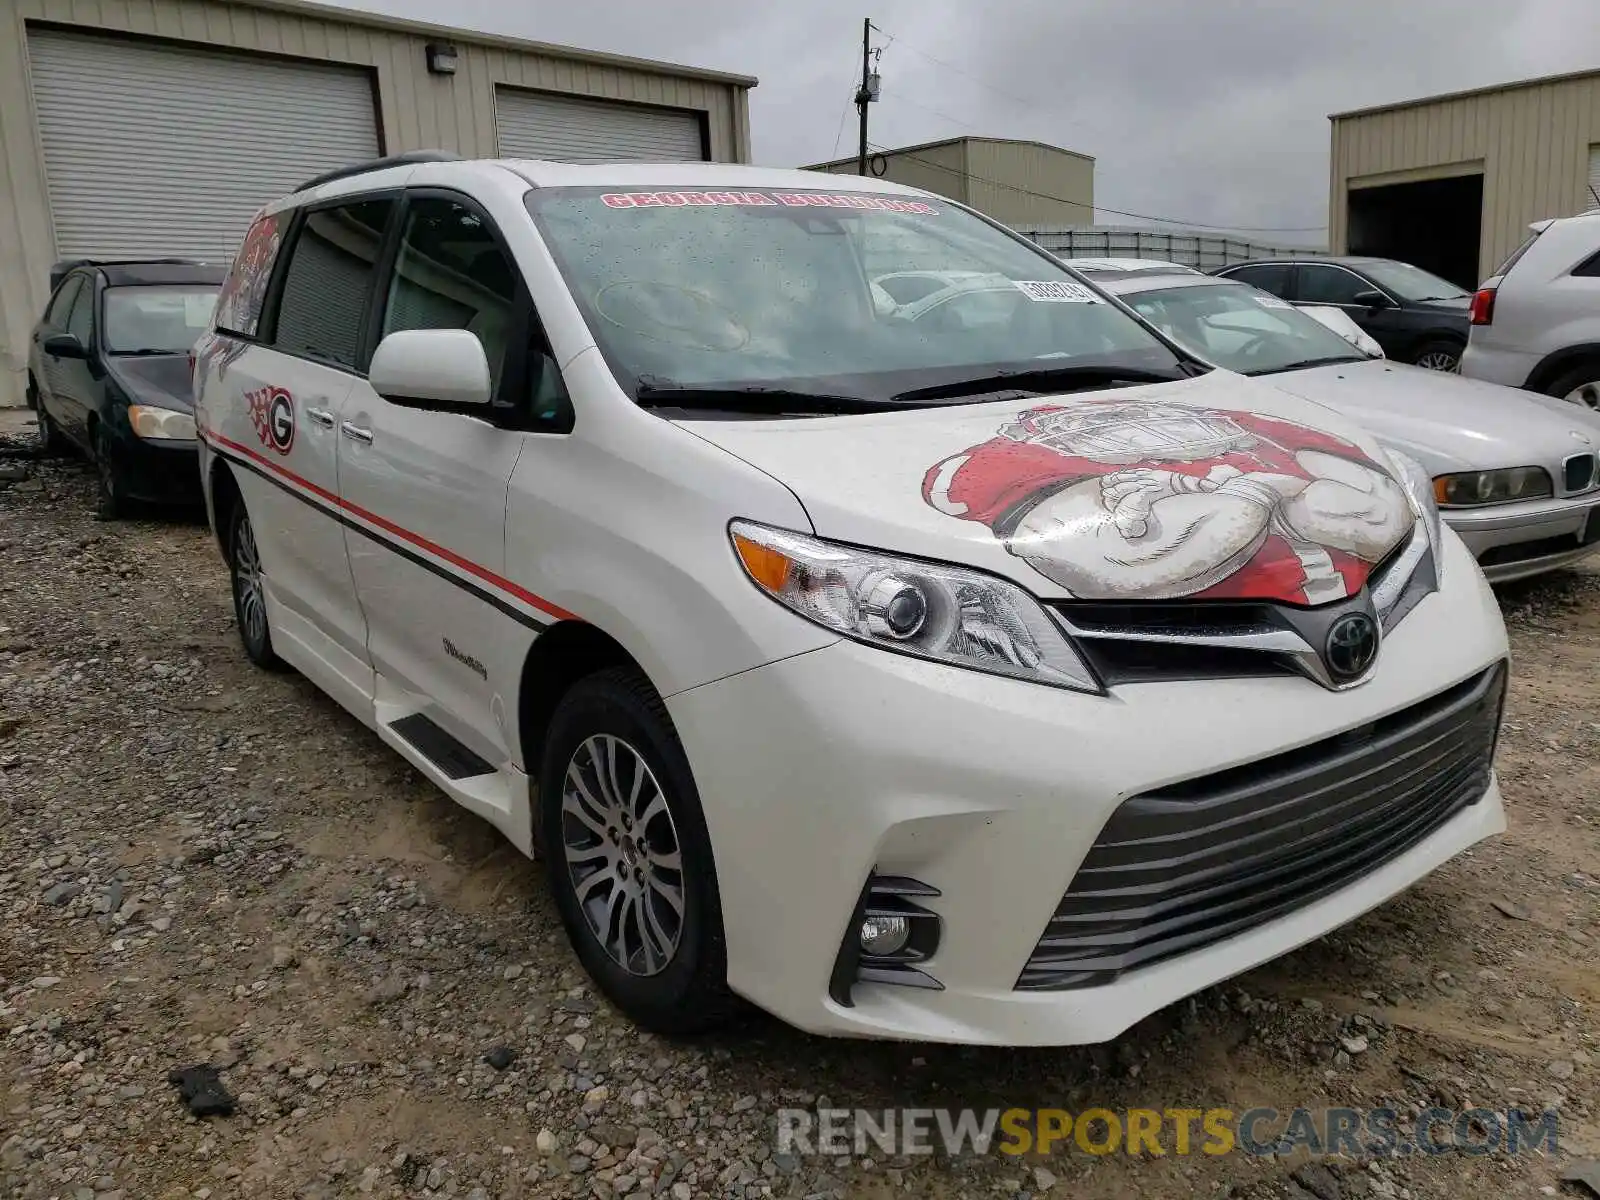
x,y
1189,865
1577,472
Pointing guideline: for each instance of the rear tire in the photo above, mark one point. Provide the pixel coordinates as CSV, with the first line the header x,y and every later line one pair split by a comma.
x,y
1439,355
1580,385
249,590
629,857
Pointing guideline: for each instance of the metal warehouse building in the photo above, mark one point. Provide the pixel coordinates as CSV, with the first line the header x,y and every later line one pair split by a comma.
x,y
1452,182
1018,183
157,127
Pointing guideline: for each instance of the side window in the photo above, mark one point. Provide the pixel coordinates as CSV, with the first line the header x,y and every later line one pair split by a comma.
x,y
55,315
245,291
322,306
81,320
1330,285
1589,268
1269,277
451,274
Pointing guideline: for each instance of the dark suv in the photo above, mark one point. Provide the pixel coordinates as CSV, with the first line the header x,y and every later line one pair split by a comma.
x,y
1415,316
109,373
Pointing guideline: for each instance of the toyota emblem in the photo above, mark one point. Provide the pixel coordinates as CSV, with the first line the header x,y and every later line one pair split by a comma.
x,y
1351,647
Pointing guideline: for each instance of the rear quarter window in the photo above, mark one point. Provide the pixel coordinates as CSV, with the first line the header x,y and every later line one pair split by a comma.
x,y
1505,267
244,292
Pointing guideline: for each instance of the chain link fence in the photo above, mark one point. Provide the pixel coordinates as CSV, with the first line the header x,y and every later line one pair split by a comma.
x,y
1203,251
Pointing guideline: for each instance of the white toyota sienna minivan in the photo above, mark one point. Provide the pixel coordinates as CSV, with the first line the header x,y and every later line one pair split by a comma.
x,y
860,612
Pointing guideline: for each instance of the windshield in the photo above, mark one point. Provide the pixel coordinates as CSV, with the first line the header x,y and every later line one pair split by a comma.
x,y
157,318
810,292
1241,328
1412,283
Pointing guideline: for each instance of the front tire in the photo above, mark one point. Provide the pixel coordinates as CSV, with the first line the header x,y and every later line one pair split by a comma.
x,y
1438,355
629,857
1581,385
111,496
249,590
51,443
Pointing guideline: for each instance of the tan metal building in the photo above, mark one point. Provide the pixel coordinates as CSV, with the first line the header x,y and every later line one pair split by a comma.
x,y
139,128
1015,182
1452,182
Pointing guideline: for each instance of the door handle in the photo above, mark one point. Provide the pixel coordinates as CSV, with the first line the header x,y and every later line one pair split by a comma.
x,y
321,416
355,432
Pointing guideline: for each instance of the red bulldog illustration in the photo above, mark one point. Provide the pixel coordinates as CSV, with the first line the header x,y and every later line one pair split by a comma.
x,y
1141,499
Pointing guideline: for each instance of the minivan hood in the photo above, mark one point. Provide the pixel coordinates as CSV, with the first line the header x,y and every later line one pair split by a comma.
x,y
161,381
1025,489
1447,422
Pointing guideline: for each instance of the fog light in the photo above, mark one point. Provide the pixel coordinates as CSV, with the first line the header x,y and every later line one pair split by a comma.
x,y
882,936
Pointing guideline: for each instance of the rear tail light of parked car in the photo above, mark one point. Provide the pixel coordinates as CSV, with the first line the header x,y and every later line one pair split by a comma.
x,y
1483,307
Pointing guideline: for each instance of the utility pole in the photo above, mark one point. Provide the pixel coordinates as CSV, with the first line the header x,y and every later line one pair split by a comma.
x,y
868,92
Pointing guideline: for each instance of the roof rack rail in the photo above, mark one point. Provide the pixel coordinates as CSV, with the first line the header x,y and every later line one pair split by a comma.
x,y
410,158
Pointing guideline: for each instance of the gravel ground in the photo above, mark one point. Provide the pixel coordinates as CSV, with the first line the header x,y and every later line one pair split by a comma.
x,y
204,863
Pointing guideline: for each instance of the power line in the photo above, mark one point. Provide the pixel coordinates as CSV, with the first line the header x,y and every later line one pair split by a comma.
x,y
938,166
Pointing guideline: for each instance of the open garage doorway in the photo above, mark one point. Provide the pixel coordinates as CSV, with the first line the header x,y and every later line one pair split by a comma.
x,y
1434,224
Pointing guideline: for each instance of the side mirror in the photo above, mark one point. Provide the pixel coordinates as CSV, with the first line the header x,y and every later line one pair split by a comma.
x,y
64,345
1372,298
431,368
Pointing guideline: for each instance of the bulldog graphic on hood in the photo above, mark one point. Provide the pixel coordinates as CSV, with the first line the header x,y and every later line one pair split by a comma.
x,y
1140,499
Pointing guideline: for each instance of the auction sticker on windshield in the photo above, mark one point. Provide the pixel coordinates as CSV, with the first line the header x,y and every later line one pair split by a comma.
x,y
1055,291
763,199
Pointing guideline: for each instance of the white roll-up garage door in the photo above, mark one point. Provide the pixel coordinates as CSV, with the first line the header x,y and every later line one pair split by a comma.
x,y
577,129
157,151
1591,199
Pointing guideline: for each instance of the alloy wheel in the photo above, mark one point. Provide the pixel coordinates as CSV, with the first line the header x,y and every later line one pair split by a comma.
x,y
1586,394
1440,360
247,579
623,854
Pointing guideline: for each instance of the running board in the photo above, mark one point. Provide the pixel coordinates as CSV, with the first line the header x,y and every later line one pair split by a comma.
x,y
498,794
453,759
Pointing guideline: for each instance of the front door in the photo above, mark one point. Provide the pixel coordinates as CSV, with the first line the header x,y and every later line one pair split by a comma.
x,y
1325,283
427,493
76,379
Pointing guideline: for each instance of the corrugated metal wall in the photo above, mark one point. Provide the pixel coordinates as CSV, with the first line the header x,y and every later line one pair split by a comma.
x,y
415,109
1531,141
1023,183
1016,183
939,169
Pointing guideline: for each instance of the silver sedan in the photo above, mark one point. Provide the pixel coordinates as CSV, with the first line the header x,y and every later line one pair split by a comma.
x,y
1515,474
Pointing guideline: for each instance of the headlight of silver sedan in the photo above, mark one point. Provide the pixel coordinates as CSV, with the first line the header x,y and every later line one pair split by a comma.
x,y
1471,488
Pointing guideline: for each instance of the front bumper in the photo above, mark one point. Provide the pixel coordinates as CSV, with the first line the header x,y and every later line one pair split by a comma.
x,y
1529,537
822,768
159,471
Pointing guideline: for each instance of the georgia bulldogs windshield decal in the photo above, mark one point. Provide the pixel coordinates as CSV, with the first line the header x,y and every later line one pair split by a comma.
x,y
724,199
1141,499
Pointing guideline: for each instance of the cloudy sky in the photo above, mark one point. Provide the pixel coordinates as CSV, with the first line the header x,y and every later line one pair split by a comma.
x,y
1210,111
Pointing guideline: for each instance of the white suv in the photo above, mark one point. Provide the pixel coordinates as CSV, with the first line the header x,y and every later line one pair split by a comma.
x,y
1536,321
947,678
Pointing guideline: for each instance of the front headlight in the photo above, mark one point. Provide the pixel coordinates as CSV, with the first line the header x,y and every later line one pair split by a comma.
x,y
1472,488
1414,573
163,424
943,613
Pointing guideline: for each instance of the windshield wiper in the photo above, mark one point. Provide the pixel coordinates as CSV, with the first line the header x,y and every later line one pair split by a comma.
x,y
1306,364
757,398
1045,379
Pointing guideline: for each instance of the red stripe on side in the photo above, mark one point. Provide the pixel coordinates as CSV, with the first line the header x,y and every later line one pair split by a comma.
x,y
416,539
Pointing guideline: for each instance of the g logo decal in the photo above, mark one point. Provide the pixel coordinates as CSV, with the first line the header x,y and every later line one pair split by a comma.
x,y
272,414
